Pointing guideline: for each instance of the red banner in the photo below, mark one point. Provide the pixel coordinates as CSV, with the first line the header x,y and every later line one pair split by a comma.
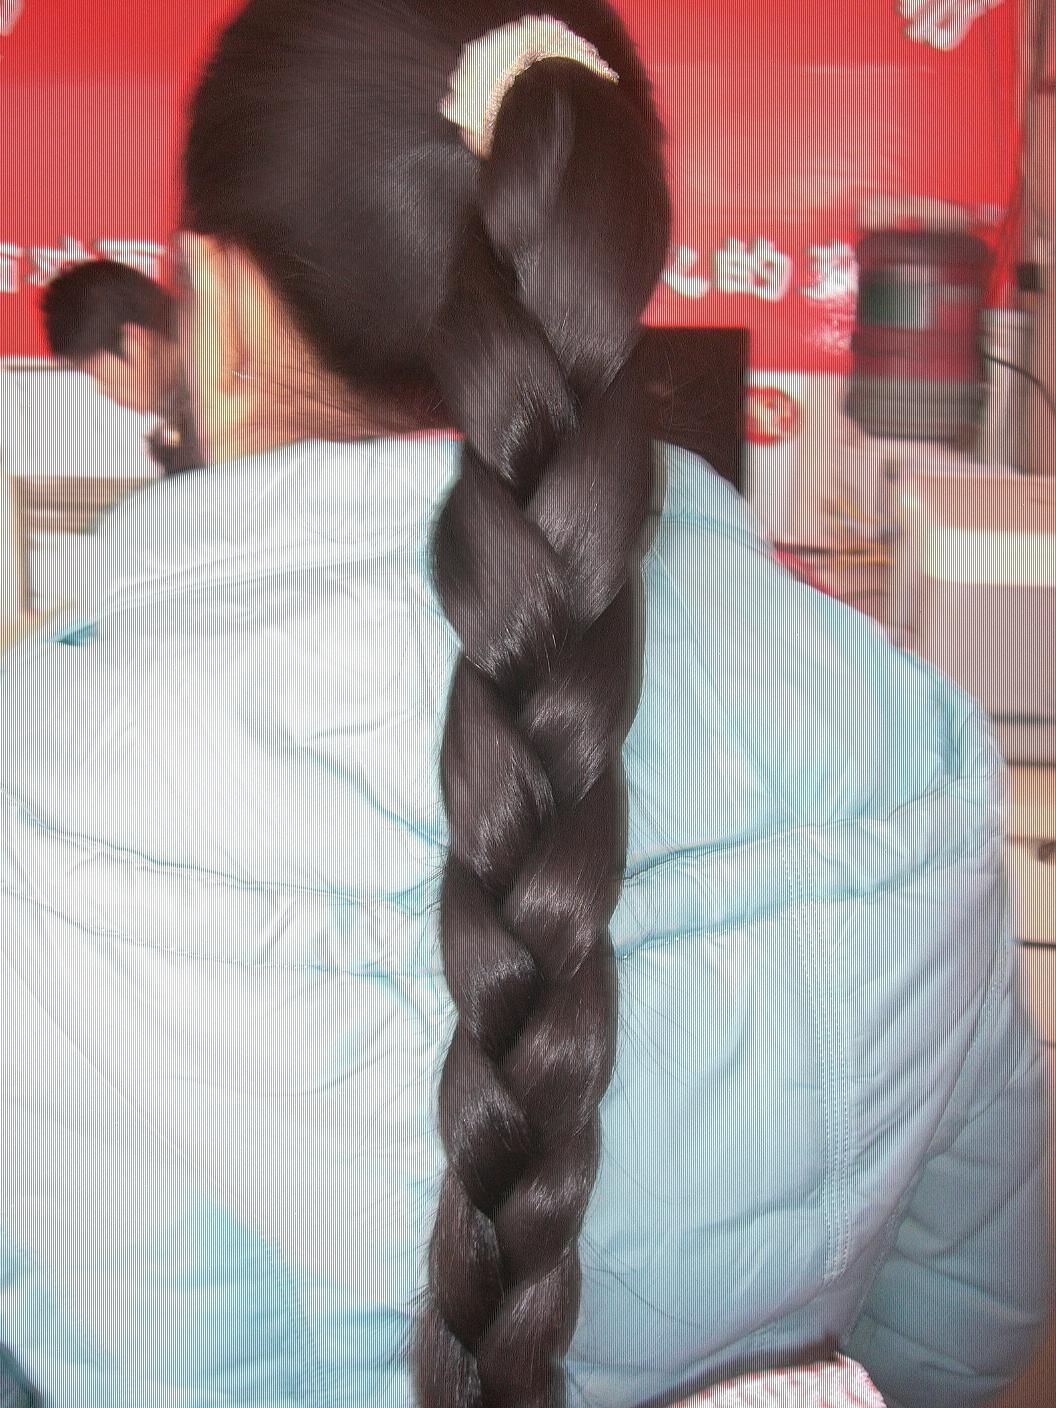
x,y
783,117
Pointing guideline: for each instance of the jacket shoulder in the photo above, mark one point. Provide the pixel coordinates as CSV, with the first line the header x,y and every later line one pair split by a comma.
x,y
767,705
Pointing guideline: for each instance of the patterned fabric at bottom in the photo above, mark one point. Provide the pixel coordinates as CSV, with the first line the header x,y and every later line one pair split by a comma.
x,y
839,1384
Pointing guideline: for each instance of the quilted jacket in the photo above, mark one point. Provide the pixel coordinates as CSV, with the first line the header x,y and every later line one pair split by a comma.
x,y
222,1012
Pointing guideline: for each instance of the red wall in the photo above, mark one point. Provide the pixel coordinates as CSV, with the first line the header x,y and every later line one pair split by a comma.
x,y
783,115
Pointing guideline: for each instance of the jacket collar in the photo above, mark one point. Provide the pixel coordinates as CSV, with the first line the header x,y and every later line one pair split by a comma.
x,y
302,505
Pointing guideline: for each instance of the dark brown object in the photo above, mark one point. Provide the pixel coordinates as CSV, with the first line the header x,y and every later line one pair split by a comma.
x,y
697,377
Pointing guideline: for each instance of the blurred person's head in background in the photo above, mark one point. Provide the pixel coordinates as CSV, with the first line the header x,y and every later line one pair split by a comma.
x,y
355,260
116,325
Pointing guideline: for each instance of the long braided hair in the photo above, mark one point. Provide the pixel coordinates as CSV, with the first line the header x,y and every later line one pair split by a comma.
x,y
505,295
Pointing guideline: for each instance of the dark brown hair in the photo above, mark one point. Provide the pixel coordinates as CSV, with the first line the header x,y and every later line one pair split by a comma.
x,y
510,292
86,307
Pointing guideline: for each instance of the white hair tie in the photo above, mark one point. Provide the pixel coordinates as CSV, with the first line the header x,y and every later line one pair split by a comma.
x,y
490,66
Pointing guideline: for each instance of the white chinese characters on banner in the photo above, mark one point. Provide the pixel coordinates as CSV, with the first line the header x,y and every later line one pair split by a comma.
x,y
10,262
49,259
144,255
835,272
680,276
762,271
10,12
942,23
46,261
759,271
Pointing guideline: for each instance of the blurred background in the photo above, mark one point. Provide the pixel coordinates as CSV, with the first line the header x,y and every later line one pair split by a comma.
x,y
788,121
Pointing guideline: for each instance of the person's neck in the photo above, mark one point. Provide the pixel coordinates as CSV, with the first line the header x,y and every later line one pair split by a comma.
x,y
341,422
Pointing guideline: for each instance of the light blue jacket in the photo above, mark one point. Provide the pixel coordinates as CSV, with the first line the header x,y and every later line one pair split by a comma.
x,y
223,1014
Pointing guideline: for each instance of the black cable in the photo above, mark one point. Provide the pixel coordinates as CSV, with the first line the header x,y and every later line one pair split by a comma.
x,y
1006,233
1047,395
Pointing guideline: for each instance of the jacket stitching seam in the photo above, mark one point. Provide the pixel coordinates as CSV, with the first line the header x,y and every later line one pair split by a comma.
x,y
812,961
783,841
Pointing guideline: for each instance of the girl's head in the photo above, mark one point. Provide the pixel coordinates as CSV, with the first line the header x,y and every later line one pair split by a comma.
x,y
334,201
353,266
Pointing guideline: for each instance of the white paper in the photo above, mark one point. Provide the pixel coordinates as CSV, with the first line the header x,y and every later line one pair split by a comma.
x,y
56,423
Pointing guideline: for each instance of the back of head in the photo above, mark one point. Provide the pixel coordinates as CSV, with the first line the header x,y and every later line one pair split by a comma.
x,y
507,290
86,306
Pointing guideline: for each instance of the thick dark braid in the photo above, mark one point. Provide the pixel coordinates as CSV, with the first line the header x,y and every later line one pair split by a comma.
x,y
536,566
508,292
